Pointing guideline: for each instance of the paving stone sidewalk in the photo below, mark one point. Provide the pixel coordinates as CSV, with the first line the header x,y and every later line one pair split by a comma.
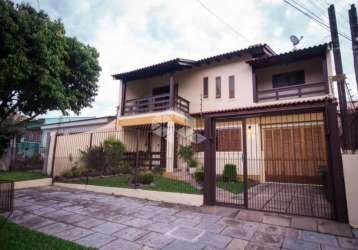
x,y
109,222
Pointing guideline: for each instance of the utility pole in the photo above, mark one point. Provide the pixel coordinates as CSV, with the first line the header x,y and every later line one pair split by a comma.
x,y
339,77
353,23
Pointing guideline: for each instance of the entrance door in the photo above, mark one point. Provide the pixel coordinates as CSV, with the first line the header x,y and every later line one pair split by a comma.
x,y
230,162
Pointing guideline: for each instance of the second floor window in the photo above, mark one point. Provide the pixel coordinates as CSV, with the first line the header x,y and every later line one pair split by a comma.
x,y
288,79
231,86
205,87
218,86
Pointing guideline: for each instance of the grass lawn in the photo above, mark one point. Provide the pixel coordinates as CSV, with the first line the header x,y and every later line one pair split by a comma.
x,y
170,185
16,237
231,186
20,175
160,184
112,181
234,186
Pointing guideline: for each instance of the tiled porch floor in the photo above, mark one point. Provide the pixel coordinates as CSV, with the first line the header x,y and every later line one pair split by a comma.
x,y
109,222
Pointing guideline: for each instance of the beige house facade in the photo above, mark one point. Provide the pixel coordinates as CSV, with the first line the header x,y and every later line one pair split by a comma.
x,y
178,94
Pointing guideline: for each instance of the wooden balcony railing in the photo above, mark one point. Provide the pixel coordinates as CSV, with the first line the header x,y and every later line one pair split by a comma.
x,y
155,103
301,90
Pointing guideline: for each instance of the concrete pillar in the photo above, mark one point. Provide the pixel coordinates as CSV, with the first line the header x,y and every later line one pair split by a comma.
x,y
120,131
170,146
50,155
253,137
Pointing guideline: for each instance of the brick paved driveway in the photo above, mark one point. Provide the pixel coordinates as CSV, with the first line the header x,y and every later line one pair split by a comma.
x,y
109,222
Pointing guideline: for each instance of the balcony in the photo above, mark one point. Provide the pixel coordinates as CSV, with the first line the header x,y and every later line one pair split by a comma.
x,y
155,103
293,91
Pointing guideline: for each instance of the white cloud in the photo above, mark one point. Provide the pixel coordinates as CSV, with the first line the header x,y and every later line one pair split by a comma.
x,y
133,33
127,42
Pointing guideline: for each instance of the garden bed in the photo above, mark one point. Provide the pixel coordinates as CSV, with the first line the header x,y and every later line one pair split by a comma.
x,y
16,237
160,183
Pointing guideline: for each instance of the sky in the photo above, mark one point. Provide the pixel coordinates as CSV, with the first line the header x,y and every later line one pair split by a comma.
x,y
129,34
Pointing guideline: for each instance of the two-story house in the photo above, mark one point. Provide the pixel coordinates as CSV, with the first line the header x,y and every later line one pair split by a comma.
x,y
176,95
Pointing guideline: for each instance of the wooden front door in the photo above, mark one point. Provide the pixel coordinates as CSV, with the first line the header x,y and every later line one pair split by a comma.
x,y
294,154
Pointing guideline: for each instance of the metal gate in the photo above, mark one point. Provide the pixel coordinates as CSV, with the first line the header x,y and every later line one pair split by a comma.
x,y
275,163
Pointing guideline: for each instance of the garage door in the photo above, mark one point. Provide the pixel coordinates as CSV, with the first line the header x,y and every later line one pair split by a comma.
x,y
294,154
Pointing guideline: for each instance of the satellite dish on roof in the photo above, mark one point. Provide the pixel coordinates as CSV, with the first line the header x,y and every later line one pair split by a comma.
x,y
295,40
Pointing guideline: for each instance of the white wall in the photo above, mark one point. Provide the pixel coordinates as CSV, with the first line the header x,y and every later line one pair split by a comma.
x,y
311,67
191,82
350,169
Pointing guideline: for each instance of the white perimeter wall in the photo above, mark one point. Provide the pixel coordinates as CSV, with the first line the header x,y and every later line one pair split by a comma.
x,y
350,168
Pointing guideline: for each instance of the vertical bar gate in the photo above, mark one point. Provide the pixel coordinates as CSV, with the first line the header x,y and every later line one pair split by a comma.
x,y
275,162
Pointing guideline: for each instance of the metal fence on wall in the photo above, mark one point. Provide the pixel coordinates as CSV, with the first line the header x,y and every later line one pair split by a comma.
x,y
156,150
6,196
27,156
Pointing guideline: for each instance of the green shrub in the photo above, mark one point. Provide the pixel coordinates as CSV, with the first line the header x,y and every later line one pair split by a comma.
x,y
145,177
193,163
114,151
229,173
75,172
186,153
106,158
67,174
158,170
199,176
124,167
94,158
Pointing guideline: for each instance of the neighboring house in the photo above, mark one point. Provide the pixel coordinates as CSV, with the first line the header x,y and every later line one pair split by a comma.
x,y
179,93
71,128
33,140
29,146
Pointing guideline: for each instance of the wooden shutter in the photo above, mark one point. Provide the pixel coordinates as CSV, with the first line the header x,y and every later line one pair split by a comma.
x,y
205,87
218,86
231,86
228,139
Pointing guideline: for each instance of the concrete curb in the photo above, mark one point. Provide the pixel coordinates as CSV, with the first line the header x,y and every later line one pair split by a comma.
x,y
33,183
170,197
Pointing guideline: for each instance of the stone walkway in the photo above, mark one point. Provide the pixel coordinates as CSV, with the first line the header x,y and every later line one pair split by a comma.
x,y
109,222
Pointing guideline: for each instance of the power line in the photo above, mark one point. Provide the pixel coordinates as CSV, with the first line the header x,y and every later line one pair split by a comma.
x,y
313,17
306,9
324,15
232,28
321,9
